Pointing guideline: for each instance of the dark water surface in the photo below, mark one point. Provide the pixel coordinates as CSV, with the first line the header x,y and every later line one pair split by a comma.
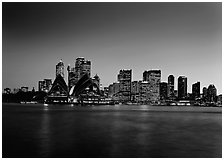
x,y
110,131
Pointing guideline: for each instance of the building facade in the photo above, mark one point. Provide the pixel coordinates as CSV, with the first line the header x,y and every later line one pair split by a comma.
x,y
163,90
154,78
145,92
170,87
124,78
45,85
196,90
60,69
211,93
182,87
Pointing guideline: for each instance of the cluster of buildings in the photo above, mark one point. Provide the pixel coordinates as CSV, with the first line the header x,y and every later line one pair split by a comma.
x,y
149,90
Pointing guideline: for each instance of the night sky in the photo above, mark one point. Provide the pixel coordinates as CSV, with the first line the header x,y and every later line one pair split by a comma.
x,y
178,38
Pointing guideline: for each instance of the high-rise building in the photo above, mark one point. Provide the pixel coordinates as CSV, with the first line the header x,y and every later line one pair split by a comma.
x,y
196,90
135,87
163,91
60,69
124,78
82,67
41,86
204,93
145,91
170,87
211,93
182,87
114,91
45,85
154,78
219,100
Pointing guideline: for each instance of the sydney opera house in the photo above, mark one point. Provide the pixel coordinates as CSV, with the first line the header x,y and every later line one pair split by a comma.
x,y
81,87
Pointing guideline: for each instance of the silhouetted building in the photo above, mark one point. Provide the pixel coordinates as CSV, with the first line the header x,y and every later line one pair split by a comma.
x,y
124,78
154,78
182,87
204,91
175,93
7,90
60,69
163,91
211,93
16,90
24,89
82,67
196,90
219,100
41,86
170,87
45,85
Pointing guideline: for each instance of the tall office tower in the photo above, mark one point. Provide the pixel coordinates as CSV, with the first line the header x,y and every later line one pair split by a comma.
x,y
204,92
154,78
170,87
82,67
60,69
196,90
144,91
124,78
163,90
182,87
41,86
45,85
135,86
48,84
211,93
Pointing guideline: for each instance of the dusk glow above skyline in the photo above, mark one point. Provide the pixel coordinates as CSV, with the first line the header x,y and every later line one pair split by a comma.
x,y
183,39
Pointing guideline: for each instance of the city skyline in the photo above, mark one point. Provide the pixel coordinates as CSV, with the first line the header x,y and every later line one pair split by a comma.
x,y
180,39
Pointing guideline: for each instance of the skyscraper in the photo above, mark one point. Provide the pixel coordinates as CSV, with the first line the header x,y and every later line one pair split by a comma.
x,y
154,78
182,87
124,78
163,90
196,90
45,85
60,69
170,87
82,66
211,93
204,92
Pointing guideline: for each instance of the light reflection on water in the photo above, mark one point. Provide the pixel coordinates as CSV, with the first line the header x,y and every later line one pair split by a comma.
x,y
111,131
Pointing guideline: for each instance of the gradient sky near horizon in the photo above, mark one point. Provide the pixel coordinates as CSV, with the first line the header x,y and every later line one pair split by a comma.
x,y
178,38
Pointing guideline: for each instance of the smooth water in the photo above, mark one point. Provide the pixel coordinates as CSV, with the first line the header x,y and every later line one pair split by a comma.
x,y
35,130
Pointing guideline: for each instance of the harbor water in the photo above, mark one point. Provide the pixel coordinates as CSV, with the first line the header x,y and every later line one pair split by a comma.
x,y
116,131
